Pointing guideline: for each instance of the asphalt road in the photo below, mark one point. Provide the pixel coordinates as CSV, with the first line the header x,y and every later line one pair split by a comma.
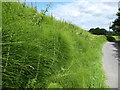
x,y
111,63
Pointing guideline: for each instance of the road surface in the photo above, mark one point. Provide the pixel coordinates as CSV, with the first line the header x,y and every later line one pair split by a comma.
x,y
111,63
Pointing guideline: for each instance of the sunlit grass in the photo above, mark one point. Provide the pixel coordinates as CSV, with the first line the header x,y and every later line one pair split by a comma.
x,y
52,54
117,37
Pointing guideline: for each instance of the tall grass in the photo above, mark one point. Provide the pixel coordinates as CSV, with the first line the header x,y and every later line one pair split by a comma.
x,y
52,54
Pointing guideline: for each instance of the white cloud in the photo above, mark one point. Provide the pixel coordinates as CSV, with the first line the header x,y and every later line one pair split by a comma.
x,y
75,13
109,0
87,13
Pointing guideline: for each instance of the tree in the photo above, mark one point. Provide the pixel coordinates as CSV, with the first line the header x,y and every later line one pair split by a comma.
x,y
98,31
116,24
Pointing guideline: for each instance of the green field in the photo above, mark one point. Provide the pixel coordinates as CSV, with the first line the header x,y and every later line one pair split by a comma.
x,y
47,53
117,37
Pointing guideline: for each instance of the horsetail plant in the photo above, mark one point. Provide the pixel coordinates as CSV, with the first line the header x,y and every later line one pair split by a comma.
x,y
43,12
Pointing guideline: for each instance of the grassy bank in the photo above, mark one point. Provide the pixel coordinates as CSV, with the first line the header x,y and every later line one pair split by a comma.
x,y
117,37
47,53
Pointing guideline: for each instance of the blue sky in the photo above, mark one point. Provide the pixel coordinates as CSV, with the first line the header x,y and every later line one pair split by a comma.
x,y
84,13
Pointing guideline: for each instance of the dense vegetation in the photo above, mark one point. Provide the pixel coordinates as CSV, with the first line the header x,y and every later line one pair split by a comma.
x,y
98,31
116,24
46,53
102,31
110,35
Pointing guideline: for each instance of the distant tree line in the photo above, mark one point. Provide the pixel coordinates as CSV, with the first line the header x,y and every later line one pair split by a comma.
x,y
115,27
98,31
102,31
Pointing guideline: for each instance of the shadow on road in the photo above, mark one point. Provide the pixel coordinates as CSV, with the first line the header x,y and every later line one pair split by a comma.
x,y
118,55
118,49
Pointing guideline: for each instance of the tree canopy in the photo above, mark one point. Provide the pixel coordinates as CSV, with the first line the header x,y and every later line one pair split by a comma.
x,y
98,31
116,24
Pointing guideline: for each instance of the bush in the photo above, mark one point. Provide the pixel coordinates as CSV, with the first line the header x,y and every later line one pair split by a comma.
x,y
110,38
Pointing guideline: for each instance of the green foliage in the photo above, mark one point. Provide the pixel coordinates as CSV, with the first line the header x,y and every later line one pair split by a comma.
x,y
112,33
53,53
116,24
98,31
117,38
54,85
110,38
